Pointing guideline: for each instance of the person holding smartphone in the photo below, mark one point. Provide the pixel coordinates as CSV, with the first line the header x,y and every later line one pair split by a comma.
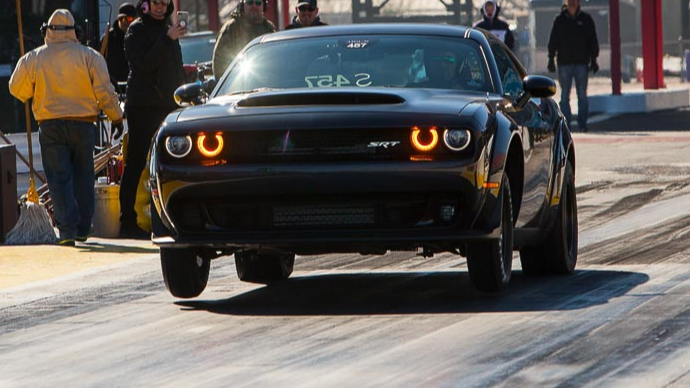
x,y
154,55
246,22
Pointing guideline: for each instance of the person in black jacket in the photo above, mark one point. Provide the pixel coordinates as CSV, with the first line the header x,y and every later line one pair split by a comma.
x,y
246,22
574,45
115,52
493,24
155,63
307,15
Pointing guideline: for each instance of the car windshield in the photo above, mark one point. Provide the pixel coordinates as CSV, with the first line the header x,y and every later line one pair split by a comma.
x,y
360,61
197,48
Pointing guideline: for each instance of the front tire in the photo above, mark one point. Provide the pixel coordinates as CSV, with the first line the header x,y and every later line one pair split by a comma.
x,y
490,263
263,268
557,255
185,272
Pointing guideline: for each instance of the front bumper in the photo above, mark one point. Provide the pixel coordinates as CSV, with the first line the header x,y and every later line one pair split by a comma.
x,y
324,207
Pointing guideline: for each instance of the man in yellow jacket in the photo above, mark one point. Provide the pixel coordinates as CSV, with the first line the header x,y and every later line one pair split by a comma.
x,y
69,85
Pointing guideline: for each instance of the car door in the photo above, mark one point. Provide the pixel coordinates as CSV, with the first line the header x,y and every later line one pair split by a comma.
x,y
536,134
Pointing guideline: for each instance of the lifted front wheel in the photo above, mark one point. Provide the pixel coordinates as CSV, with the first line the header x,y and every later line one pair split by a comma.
x,y
185,271
262,267
490,263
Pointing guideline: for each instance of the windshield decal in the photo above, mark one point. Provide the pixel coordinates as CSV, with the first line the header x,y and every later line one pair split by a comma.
x,y
357,44
338,80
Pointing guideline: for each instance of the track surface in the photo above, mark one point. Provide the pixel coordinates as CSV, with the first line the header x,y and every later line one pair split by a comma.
x,y
398,320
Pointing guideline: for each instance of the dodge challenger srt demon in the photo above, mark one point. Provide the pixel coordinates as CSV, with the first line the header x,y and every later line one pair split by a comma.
x,y
365,139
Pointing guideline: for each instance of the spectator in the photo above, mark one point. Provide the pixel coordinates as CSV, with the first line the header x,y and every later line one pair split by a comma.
x,y
307,15
493,24
246,22
153,51
66,111
115,51
574,45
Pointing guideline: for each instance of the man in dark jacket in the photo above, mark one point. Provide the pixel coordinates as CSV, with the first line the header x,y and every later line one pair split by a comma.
x,y
574,45
155,62
307,15
493,24
115,52
246,22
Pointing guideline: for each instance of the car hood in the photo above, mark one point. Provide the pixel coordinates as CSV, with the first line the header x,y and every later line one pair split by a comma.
x,y
339,102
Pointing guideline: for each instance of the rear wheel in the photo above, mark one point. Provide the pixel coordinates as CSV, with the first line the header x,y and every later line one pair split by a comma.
x,y
490,263
557,255
263,268
185,272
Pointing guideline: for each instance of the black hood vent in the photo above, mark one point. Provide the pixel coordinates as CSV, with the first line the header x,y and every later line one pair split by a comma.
x,y
297,99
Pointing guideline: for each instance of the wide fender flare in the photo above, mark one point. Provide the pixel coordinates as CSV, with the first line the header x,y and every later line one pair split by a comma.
x,y
500,138
564,150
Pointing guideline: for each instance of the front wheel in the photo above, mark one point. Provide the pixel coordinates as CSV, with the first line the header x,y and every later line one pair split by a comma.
x,y
490,263
185,272
263,267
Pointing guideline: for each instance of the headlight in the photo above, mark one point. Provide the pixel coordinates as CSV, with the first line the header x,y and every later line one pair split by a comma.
x,y
178,146
424,140
456,139
210,146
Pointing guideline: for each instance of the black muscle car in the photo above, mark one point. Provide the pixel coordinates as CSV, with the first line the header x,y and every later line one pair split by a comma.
x,y
366,138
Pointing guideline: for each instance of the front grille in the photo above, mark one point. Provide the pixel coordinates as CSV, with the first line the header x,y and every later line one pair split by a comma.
x,y
323,215
320,145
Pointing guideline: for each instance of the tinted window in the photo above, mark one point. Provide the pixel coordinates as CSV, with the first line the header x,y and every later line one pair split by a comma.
x,y
361,61
510,75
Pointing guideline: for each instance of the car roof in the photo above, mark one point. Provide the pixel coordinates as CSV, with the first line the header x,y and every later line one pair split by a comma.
x,y
377,28
197,34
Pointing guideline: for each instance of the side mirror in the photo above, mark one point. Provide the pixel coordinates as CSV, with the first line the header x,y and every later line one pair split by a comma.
x,y
536,86
210,84
190,94
539,86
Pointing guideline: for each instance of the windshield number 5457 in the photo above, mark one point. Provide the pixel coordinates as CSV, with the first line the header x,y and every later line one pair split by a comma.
x,y
329,81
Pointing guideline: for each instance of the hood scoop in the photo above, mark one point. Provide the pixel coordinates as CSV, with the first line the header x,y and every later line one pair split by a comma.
x,y
330,98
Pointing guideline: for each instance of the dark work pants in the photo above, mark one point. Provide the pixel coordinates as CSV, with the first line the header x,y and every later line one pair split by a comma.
x,y
67,155
142,124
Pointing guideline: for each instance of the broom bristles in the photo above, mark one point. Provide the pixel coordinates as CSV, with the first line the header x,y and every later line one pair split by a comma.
x,y
33,227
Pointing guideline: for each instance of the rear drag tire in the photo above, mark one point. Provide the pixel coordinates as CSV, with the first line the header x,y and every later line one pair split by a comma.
x,y
557,255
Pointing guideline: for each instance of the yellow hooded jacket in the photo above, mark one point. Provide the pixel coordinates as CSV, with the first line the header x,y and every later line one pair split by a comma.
x,y
65,79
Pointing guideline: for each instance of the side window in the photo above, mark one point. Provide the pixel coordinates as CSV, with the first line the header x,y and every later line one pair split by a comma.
x,y
510,76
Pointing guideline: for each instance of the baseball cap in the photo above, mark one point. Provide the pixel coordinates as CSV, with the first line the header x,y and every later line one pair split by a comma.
x,y
126,9
310,3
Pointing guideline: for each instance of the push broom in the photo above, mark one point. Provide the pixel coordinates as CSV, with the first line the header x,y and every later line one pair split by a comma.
x,y
34,225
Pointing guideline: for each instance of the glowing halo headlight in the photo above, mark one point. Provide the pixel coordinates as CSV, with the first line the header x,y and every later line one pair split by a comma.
x,y
423,143
201,145
178,146
456,139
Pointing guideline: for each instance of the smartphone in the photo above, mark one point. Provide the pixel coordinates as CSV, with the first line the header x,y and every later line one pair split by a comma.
x,y
182,18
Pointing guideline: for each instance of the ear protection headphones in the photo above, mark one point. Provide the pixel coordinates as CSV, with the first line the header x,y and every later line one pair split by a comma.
x,y
240,5
45,27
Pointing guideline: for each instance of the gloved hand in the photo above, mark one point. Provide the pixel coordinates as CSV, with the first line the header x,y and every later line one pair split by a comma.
x,y
118,128
552,65
594,66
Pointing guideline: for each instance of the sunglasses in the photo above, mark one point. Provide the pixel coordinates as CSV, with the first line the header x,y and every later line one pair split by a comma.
x,y
160,2
443,58
306,8
253,2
